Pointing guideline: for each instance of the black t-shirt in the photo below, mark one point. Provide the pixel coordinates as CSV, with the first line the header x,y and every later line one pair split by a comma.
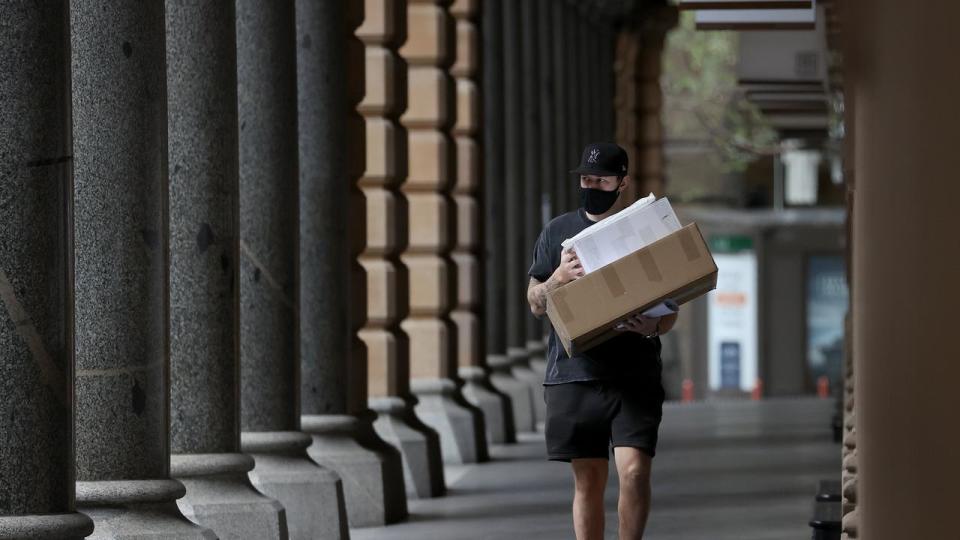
x,y
626,355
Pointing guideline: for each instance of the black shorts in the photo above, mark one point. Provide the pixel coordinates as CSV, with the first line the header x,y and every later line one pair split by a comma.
x,y
585,418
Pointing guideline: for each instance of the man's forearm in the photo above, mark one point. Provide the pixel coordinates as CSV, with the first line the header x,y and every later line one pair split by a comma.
x,y
537,294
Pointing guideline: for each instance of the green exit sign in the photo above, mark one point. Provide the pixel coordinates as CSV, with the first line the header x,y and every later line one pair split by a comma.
x,y
731,243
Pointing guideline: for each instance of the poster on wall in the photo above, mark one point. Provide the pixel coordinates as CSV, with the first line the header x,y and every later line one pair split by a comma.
x,y
732,316
827,298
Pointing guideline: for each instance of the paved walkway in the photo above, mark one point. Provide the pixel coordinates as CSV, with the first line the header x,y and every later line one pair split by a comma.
x,y
731,470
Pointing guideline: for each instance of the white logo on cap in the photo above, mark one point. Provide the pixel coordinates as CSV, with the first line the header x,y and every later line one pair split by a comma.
x,y
594,155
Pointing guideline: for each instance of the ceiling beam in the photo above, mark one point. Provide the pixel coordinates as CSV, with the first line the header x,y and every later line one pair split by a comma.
x,y
688,5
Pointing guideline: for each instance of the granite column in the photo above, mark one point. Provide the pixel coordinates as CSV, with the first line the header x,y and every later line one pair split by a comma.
x,y
121,265
388,361
520,406
36,257
430,115
548,121
531,158
331,283
561,131
204,298
514,241
575,139
270,378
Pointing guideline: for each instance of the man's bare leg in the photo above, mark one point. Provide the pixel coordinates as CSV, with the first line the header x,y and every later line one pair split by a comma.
x,y
590,481
633,468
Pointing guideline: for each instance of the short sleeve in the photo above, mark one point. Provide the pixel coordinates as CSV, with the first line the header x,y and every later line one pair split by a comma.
x,y
542,267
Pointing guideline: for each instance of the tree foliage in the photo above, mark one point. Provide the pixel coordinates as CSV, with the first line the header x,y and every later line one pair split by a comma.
x,y
702,100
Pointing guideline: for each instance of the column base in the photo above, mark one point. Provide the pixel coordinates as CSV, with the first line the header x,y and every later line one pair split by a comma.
x,y
519,393
371,469
312,495
220,496
537,363
135,509
419,446
73,526
520,368
495,406
459,424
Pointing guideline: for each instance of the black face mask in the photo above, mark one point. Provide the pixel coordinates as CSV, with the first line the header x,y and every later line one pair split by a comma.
x,y
598,201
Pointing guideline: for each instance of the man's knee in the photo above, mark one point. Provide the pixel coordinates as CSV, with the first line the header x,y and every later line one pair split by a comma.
x,y
589,475
633,469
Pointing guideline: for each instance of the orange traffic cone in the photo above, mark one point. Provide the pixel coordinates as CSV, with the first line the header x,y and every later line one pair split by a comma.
x,y
823,386
757,390
687,387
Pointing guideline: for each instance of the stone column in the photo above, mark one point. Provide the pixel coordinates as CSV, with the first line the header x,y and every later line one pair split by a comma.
x,y
583,78
270,415
563,123
472,360
382,31
120,149
639,99
607,81
514,241
548,97
576,140
548,162
332,218
531,162
36,254
598,33
495,236
204,299
561,131
590,37
627,101
904,209
429,52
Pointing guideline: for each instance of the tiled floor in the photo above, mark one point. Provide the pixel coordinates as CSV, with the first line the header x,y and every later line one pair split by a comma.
x,y
732,470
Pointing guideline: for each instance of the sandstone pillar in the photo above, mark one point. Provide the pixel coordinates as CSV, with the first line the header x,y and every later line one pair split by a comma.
x,y
429,53
904,207
471,358
640,123
388,359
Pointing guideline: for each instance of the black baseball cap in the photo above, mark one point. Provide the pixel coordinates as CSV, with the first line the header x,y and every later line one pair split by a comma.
x,y
603,159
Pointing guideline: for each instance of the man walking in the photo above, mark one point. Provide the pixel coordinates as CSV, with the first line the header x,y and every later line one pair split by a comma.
x,y
610,395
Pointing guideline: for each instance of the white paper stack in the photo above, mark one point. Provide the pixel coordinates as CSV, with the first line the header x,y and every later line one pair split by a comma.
x,y
619,235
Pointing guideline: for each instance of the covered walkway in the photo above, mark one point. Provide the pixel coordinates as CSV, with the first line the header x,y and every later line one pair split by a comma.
x,y
736,470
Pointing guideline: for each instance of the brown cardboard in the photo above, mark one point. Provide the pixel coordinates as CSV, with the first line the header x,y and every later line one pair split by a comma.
x,y
678,266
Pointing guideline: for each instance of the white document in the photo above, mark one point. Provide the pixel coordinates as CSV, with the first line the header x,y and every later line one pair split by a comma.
x,y
667,307
619,235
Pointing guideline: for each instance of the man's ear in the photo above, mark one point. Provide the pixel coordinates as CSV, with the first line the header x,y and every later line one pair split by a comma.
x,y
624,183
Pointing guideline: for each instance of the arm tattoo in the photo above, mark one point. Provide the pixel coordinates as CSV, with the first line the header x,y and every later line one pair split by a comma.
x,y
537,294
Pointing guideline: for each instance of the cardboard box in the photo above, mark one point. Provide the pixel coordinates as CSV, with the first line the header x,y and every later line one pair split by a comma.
x,y
679,267
619,235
